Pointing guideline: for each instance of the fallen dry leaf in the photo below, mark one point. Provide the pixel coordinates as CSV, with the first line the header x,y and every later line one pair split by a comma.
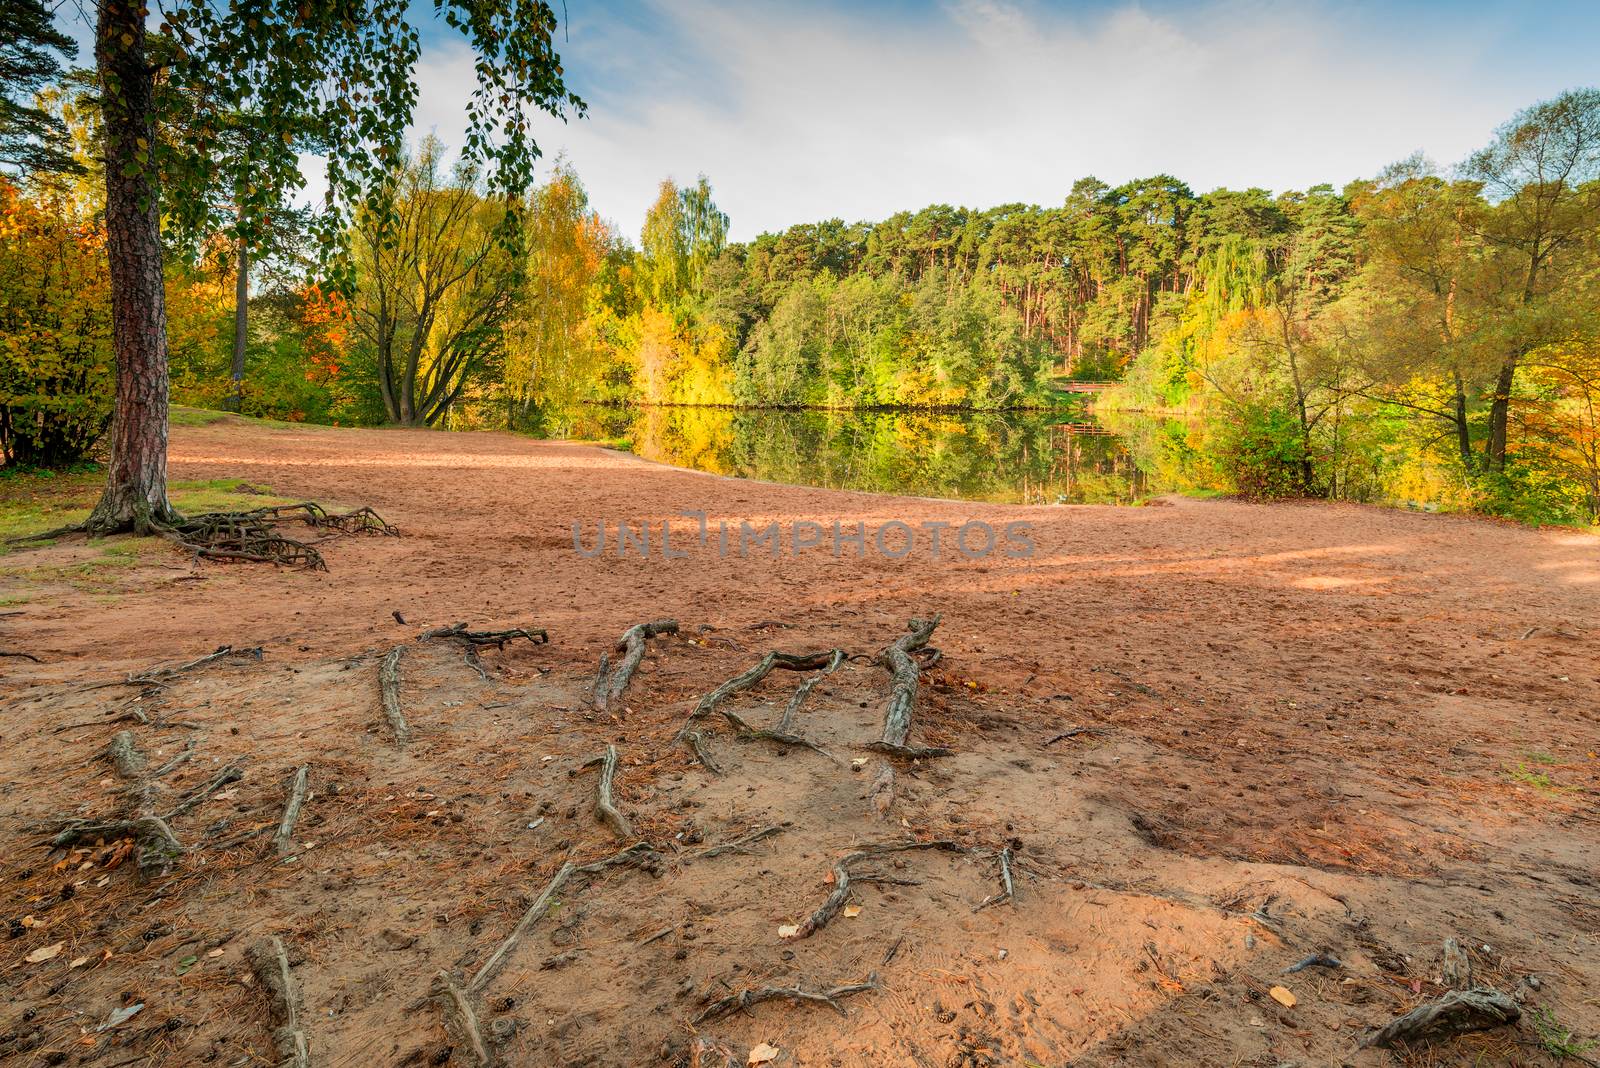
x,y
788,930
762,1054
852,911
80,962
43,954
1282,996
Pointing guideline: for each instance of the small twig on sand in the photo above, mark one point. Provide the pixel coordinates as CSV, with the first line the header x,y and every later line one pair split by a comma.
x,y
271,966
604,807
1073,733
24,656
466,1018
389,691
841,878
1006,889
899,660
283,840
746,998
609,684
737,845
1316,960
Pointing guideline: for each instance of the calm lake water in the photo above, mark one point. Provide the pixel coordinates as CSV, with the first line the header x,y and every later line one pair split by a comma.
x,y
1055,457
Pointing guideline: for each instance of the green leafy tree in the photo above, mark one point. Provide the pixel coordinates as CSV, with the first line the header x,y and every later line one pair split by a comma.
x,y
337,76
32,138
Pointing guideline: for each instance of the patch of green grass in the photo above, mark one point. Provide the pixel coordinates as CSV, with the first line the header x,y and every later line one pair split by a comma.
x,y
183,415
1556,1040
1536,779
1541,758
32,502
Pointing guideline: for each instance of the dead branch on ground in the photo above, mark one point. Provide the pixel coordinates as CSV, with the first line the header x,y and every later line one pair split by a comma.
x,y
610,683
901,663
745,998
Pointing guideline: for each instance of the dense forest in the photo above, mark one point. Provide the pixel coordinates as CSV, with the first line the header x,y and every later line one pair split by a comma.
x,y
1426,334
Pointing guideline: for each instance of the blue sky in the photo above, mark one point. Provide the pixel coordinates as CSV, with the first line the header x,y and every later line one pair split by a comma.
x,y
805,111
814,109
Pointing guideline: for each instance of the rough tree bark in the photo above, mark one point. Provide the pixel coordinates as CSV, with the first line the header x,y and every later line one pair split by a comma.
x,y
241,327
135,496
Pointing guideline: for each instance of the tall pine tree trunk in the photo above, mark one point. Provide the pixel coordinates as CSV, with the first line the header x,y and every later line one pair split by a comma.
x,y
135,496
241,326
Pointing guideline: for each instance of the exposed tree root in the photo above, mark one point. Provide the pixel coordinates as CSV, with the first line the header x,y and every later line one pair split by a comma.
x,y
1006,889
697,744
24,656
899,661
1454,1013
638,854
738,845
466,1018
749,733
221,652
841,878
881,792
229,774
610,683
250,535
605,808
151,832
180,759
458,632
803,691
746,998
271,966
473,640
824,663
283,841
389,691
125,756
828,659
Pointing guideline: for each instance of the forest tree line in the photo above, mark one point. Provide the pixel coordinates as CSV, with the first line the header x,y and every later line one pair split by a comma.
x,y
1424,334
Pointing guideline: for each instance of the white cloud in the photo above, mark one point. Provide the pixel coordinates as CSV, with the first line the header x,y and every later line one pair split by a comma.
x,y
801,112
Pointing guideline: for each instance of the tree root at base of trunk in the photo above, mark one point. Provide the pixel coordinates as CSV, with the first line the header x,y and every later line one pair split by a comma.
x,y
250,536
271,966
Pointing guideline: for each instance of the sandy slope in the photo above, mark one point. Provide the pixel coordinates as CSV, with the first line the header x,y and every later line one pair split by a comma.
x,y
1313,727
